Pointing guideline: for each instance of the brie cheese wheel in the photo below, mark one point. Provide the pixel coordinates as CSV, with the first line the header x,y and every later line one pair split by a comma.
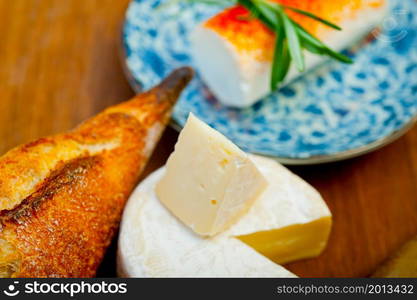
x,y
288,221
233,52
209,182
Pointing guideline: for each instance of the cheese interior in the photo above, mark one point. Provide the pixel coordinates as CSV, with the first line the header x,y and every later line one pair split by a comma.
x,y
209,182
292,242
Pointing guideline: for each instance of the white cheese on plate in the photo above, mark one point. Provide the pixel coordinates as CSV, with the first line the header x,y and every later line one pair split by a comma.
x,y
209,182
234,56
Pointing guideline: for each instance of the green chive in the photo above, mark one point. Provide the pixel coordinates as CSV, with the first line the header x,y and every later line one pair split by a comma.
x,y
319,47
310,15
293,43
338,56
281,60
266,11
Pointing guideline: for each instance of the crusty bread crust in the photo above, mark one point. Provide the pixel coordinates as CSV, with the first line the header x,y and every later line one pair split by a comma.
x,y
61,197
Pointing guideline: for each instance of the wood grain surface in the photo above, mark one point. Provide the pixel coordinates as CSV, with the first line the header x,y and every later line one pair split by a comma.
x,y
59,64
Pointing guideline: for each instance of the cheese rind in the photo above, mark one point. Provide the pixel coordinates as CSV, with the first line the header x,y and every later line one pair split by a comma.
x,y
154,243
209,183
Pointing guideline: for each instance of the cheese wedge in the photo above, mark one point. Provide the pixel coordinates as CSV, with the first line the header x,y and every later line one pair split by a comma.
x,y
288,221
209,182
233,53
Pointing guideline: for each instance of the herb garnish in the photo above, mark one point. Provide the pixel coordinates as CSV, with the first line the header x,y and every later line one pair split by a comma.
x,y
291,39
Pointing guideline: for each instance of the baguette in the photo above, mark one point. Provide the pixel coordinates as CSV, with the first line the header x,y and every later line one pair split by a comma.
x,y
61,197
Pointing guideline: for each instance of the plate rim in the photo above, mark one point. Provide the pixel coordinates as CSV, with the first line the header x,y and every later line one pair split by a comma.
x,y
312,160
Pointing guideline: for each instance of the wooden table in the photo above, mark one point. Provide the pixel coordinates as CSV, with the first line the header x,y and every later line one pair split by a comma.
x,y
59,64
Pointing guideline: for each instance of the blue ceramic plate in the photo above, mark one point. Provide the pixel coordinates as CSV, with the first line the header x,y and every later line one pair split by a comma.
x,y
334,112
